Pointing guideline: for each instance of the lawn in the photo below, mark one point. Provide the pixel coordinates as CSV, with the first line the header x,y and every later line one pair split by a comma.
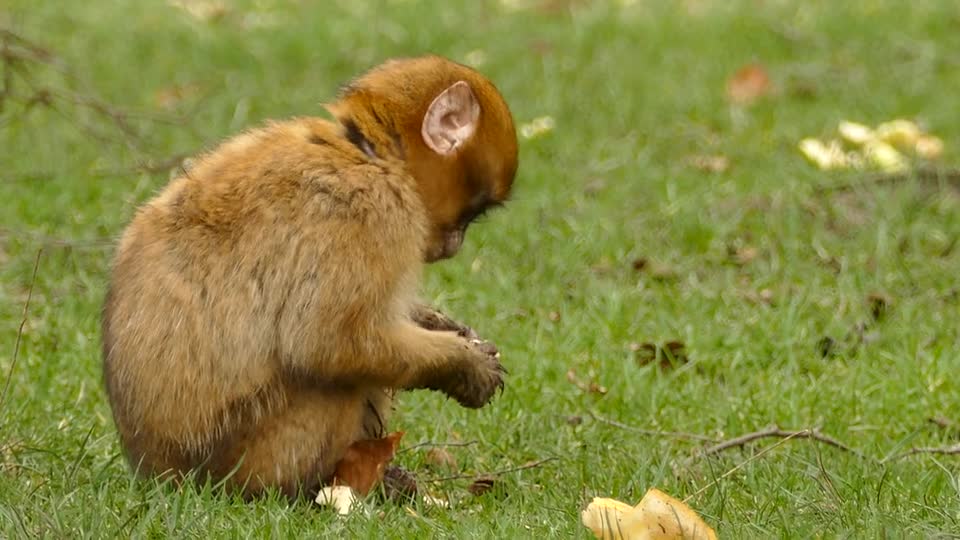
x,y
801,298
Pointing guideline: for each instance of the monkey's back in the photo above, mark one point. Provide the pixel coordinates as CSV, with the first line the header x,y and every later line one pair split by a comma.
x,y
223,284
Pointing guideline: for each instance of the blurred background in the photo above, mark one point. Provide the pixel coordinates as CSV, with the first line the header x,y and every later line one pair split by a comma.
x,y
671,261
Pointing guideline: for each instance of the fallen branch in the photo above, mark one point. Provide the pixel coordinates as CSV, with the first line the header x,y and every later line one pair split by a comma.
x,y
652,432
939,450
944,422
23,322
465,476
925,174
49,241
741,465
431,444
775,431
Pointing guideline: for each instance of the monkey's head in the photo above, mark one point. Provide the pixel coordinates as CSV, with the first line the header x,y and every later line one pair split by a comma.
x,y
452,129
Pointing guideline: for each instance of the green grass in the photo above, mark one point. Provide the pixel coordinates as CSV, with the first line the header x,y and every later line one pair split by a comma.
x,y
635,92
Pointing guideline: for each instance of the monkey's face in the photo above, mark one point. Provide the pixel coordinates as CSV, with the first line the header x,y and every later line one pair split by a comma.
x,y
470,161
452,128
450,223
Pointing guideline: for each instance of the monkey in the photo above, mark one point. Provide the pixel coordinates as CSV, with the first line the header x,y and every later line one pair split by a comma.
x,y
262,307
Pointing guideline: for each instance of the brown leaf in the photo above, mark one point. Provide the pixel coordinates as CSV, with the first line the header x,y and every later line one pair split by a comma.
x,y
481,485
826,346
591,387
748,84
554,316
743,255
594,186
669,355
170,97
661,272
362,467
602,267
879,305
440,458
638,264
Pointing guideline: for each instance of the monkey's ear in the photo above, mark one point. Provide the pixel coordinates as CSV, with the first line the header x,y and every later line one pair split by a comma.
x,y
451,119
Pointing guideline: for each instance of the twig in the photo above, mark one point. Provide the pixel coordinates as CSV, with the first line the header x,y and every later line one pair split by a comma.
x,y
49,241
23,322
940,450
944,422
523,467
652,432
431,444
951,176
743,464
775,431
149,166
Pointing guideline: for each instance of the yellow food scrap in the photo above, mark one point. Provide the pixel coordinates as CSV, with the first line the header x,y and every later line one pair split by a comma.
x,y
537,127
929,147
657,517
885,156
855,133
826,156
342,498
899,133
890,147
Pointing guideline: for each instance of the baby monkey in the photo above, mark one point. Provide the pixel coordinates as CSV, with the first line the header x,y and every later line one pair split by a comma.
x,y
262,308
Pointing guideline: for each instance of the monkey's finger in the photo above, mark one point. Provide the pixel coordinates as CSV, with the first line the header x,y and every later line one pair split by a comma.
x,y
485,347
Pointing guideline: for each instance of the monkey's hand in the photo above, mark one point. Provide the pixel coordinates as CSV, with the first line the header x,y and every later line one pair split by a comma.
x,y
480,376
433,319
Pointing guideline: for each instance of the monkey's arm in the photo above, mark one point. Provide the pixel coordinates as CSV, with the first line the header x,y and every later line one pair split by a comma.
x,y
403,355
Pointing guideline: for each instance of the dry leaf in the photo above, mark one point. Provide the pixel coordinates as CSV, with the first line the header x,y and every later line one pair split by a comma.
x,y
554,316
481,485
170,97
669,355
203,10
591,387
748,84
363,465
594,186
440,458
658,516
743,255
879,305
826,346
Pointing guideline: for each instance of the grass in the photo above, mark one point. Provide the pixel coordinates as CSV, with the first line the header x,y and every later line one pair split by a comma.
x,y
635,91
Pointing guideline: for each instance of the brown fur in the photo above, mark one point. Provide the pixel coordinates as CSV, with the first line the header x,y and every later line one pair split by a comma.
x,y
261,308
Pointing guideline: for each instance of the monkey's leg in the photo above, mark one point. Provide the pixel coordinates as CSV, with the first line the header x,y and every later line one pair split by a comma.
x,y
294,449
